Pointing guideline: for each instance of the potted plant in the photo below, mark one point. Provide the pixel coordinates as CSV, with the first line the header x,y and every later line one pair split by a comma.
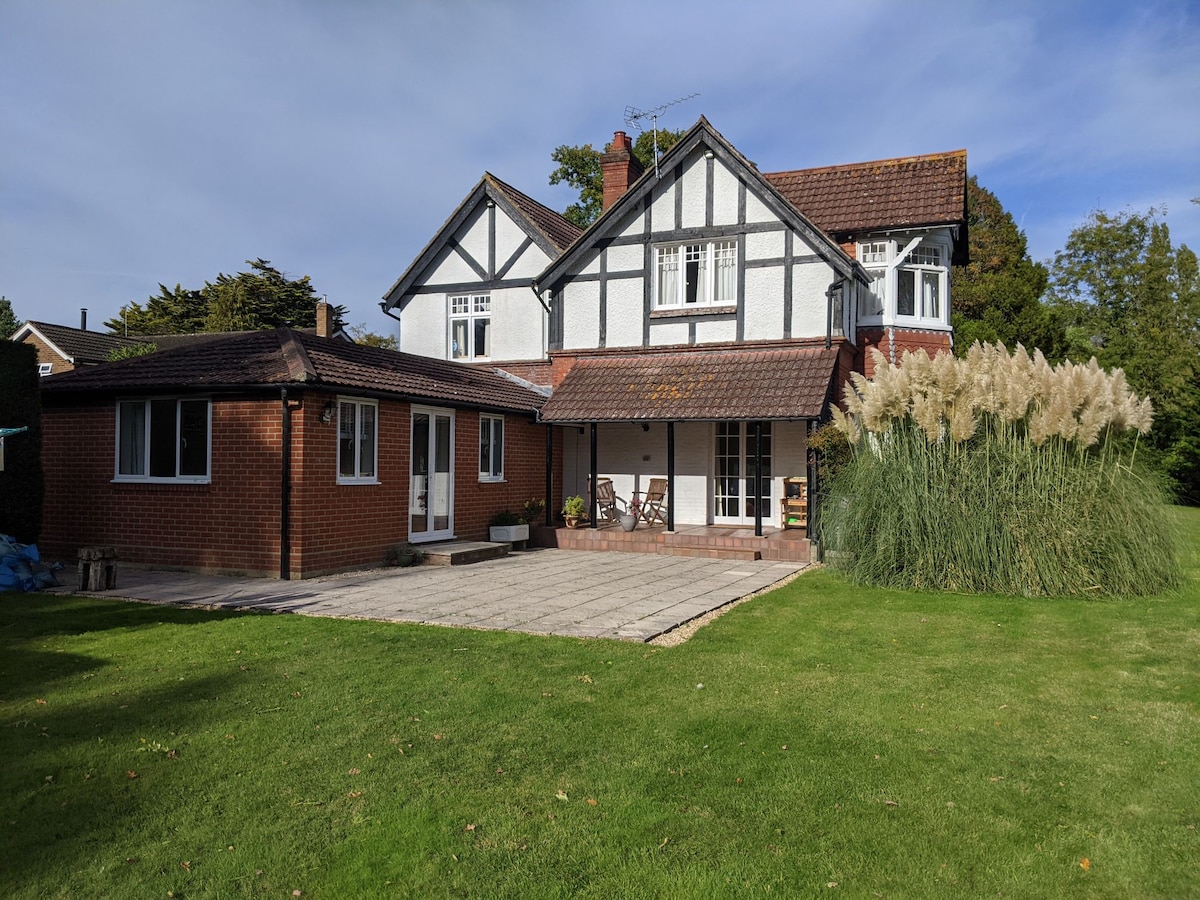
x,y
629,518
403,555
509,527
534,509
574,511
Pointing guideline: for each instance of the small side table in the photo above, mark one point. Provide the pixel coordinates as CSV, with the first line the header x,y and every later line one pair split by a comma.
x,y
97,568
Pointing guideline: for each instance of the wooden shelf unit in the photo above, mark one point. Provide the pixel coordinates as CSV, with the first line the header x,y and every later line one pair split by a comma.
x,y
793,506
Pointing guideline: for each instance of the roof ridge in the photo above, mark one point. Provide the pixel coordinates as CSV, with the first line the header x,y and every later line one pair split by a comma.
x,y
300,367
894,160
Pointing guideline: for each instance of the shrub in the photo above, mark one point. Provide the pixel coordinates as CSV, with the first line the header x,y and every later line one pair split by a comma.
x,y
504,518
22,482
997,473
404,555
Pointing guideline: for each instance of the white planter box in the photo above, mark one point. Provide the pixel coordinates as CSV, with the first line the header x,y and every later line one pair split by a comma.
x,y
509,533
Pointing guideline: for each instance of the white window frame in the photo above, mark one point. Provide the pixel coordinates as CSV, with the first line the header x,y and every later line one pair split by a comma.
x,y
712,255
470,309
884,264
45,368
358,405
494,446
147,434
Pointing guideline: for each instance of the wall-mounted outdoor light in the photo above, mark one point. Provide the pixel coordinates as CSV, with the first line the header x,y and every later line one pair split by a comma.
x,y
326,415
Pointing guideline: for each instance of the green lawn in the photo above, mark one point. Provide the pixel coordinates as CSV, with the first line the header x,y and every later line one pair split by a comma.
x,y
822,740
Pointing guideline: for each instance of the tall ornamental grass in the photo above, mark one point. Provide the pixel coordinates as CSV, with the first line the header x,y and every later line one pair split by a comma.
x,y
997,473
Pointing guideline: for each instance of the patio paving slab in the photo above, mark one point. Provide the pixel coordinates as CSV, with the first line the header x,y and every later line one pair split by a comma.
x,y
578,593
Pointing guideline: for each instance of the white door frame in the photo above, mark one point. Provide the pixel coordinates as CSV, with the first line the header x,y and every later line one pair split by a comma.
x,y
744,482
419,505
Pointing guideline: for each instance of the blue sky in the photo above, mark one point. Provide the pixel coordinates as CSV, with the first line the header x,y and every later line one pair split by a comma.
x,y
151,141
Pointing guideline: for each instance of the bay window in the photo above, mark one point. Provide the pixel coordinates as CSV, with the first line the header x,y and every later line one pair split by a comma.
x,y
703,274
163,439
903,285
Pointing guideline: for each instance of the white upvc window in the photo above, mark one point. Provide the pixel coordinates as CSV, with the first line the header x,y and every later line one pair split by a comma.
x,y
45,368
358,442
905,287
700,274
491,448
164,439
471,326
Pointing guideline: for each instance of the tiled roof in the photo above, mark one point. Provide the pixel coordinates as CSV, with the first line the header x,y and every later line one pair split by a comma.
x,y
557,230
888,193
785,383
82,346
285,356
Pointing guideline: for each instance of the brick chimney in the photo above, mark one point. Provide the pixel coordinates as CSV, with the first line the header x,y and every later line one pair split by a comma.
x,y
324,319
619,167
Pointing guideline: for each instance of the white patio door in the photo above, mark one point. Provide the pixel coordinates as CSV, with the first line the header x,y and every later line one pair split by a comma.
x,y
431,486
734,500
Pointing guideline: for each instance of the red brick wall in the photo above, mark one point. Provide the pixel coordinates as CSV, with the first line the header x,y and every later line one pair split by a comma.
x,y
902,339
233,523
46,355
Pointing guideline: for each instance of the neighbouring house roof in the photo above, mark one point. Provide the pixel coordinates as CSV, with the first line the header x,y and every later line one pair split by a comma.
x,y
75,345
285,356
546,228
905,192
783,383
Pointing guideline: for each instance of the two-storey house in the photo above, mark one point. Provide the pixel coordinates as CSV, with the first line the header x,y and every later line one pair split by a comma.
x,y
701,326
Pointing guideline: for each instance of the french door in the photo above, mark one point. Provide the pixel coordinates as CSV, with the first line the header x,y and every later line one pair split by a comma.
x,y
431,486
734,498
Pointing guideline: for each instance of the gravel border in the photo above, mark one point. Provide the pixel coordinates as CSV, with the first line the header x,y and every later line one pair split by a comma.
x,y
682,632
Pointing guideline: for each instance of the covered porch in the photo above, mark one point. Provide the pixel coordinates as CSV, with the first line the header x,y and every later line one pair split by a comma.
x,y
724,432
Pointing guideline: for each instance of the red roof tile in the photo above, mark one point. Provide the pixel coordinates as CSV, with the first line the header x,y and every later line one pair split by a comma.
x,y
785,383
284,357
887,193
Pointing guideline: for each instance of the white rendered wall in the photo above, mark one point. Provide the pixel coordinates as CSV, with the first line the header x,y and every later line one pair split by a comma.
x,y
694,185
715,329
625,312
763,313
472,235
756,210
423,329
764,245
581,315
664,332
629,258
518,330
725,196
810,281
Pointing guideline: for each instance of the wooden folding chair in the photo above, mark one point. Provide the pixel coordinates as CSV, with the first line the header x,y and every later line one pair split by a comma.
x,y
607,502
654,504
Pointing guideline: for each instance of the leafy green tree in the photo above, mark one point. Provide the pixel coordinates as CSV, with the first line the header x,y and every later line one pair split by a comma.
x,y
8,319
1133,300
132,350
370,339
997,295
263,297
579,166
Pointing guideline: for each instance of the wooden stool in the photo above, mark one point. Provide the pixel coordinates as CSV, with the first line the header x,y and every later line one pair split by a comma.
x,y
97,568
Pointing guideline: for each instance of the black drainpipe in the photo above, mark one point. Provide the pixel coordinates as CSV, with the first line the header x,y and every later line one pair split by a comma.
x,y
285,492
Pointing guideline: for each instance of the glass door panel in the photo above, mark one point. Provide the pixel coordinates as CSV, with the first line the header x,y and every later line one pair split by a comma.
x,y
431,486
734,499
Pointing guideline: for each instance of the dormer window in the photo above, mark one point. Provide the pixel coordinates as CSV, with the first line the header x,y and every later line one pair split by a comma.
x,y
471,326
690,275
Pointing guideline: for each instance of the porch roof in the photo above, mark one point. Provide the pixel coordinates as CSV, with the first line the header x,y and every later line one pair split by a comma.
x,y
784,383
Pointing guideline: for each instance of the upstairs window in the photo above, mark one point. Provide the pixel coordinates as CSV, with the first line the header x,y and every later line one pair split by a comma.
x,y
45,368
164,439
912,287
689,275
471,326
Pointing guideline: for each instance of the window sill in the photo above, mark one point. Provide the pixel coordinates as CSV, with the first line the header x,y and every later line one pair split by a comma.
x,y
492,479
189,482
675,312
353,481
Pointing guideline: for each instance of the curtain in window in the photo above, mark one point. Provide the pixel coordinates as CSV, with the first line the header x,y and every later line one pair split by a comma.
x,y
931,307
366,441
132,449
668,276
726,283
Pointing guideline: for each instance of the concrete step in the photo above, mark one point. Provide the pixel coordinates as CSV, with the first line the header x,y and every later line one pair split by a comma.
x,y
461,553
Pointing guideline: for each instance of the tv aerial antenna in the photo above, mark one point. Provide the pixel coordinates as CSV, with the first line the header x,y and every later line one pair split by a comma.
x,y
634,118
